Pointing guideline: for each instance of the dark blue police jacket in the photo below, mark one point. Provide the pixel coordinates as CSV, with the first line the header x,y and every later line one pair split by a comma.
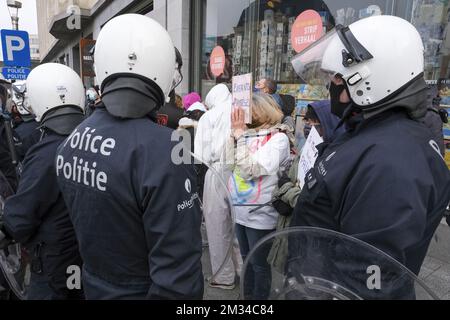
x,y
384,183
37,216
135,212
29,135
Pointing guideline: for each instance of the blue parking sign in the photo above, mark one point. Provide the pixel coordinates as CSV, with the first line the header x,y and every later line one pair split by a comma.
x,y
16,48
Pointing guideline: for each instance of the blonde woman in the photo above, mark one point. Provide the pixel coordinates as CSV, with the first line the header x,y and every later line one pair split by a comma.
x,y
257,154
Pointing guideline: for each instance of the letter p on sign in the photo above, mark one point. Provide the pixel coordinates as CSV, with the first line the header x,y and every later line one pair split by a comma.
x,y
16,48
13,44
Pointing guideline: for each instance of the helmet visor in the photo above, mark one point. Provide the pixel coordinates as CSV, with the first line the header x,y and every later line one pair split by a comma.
x,y
177,79
309,66
308,63
19,95
21,99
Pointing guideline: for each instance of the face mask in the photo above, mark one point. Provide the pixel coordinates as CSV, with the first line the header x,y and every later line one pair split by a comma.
x,y
337,107
307,130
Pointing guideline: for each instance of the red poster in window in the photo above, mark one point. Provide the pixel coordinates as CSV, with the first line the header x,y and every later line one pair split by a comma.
x,y
217,61
307,29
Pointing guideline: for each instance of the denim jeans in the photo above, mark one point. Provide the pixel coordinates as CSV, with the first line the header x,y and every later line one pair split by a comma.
x,y
258,276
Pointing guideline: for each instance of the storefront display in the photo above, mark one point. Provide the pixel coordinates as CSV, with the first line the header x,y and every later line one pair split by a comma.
x,y
257,37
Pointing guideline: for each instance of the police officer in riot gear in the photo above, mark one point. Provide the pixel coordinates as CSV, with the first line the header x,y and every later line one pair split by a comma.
x,y
384,181
36,216
27,127
135,212
8,177
7,167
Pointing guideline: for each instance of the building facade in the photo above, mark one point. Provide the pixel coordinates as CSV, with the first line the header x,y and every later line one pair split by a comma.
x,y
62,25
254,36
34,47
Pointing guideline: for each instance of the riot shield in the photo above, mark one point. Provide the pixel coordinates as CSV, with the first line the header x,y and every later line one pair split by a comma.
x,y
215,200
318,264
14,261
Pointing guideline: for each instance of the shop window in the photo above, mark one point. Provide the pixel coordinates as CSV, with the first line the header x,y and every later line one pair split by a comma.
x,y
222,29
244,36
256,37
432,20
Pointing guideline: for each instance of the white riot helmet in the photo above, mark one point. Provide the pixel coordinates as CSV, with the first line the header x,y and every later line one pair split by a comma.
x,y
138,46
20,98
91,95
54,86
376,57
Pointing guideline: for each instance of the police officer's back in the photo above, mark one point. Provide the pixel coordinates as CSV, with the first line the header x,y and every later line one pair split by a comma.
x,y
134,211
36,216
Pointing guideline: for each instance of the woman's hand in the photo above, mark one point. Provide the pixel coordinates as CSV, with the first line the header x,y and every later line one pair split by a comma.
x,y
238,126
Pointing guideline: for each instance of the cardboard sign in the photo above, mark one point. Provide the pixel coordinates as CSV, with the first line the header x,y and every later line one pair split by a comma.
x,y
217,61
309,155
242,94
307,29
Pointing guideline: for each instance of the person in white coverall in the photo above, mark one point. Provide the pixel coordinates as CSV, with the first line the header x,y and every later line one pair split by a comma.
x,y
213,131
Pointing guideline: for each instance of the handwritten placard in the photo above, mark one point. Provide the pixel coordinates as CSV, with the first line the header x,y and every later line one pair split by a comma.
x,y
242,94
309,155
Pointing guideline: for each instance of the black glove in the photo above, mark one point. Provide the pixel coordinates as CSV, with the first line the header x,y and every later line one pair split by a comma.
x,y
283,208
283,180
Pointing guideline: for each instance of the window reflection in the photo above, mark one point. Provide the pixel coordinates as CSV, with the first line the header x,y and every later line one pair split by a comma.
x,y
255,36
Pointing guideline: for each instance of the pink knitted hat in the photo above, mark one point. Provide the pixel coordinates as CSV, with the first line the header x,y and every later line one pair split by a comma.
x,y
190,99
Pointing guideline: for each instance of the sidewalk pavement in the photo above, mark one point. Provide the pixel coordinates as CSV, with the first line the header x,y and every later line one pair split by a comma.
x,y
436,268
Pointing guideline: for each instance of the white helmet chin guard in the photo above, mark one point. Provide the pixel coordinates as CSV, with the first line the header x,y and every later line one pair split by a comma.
x,y
376,57
53,85
132,44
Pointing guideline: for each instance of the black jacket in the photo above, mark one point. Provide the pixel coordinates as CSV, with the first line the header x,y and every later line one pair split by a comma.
x,y
6,165
37,216
382,183
170,115
434,122
29,135
137,218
